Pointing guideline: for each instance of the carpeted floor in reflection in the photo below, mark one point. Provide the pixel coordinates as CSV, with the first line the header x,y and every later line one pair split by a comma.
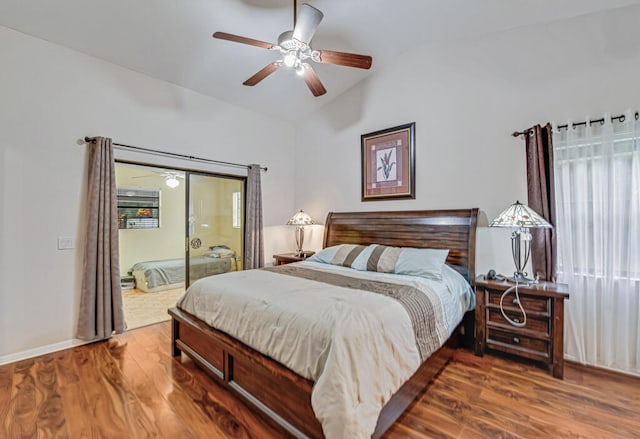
x,y
141,309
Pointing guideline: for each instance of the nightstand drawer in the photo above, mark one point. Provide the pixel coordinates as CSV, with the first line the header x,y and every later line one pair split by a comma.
x,y
540,326
518,344
530,303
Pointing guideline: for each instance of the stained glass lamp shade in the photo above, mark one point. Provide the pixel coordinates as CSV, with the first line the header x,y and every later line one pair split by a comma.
x,y
300,219
522,218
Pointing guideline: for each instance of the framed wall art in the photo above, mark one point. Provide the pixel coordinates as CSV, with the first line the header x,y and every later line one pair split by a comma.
x,y
388,163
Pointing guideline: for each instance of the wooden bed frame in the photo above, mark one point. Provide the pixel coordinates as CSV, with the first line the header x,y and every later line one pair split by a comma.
x,y
284,396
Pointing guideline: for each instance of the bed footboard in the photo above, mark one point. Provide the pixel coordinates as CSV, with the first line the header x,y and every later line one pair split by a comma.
x,y
279,394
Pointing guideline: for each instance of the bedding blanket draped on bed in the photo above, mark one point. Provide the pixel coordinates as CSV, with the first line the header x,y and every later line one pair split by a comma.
x,y
172,271
358,335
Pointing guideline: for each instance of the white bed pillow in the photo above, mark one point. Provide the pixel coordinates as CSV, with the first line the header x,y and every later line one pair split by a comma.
x,y
459,286
219,252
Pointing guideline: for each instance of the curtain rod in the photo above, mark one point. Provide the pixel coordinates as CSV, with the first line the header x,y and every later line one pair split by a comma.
x,y
88,139
620,118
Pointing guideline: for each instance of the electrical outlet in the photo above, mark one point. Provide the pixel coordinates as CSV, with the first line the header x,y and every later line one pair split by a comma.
x,y
65,243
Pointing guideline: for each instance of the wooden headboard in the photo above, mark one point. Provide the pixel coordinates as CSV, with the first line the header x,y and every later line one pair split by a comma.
x,y
444,229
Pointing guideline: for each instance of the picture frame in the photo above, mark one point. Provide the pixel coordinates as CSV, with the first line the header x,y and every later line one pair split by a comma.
x,y
388,163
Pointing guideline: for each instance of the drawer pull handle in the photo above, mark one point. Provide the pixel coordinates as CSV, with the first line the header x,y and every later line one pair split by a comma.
x,y
516,340
515,301
516,320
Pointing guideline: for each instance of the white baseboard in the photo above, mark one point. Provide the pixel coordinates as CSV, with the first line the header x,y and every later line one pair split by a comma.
x,y
41,350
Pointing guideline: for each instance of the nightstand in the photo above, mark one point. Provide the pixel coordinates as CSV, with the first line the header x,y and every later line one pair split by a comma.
x,y
540,340
287,258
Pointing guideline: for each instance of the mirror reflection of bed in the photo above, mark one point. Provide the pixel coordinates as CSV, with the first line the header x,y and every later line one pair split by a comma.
x,y
152,218
157,285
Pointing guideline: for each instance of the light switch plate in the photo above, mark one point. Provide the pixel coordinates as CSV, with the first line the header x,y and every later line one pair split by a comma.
x,y
65,243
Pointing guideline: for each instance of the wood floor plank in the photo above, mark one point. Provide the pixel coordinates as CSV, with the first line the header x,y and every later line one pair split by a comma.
x,y
6,381
111,401
23,407
528,423
588,377
131,387
6,378
418,423
74,399
182,382
231,413
172,395
556,398
50,421
122,391
153,402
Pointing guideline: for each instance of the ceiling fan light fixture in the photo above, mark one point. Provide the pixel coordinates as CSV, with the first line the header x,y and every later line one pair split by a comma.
x,y
290,59
300,68
172,181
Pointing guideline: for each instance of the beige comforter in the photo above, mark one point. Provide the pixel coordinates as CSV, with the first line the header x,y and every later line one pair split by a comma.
x,y
358,347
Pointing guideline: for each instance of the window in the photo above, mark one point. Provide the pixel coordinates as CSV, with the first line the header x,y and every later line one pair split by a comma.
x,y
597,199
237,209
597,181
138,208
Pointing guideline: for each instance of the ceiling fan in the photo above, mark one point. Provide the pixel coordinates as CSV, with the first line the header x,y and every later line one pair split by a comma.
x,y
295,48
170,177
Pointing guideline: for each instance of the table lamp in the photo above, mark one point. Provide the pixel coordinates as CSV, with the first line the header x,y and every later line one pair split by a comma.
x,y
300,219
522,218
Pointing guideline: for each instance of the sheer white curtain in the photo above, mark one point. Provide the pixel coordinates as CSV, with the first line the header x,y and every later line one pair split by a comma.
x,y
597,177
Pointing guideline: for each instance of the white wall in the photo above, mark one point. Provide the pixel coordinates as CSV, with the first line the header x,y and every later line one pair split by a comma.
x,y
50,97
466,100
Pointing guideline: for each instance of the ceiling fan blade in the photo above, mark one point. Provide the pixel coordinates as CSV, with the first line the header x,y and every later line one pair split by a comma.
x,y
313,82
306,23
345,59
269,69
243,40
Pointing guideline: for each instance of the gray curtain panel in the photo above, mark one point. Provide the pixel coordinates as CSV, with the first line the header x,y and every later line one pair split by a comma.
x,y
541,198
101,312
253,239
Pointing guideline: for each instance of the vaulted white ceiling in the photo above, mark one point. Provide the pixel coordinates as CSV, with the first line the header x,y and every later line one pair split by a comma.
x,y
171,39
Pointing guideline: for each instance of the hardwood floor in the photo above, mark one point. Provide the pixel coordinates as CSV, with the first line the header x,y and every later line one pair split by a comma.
x,y
130,387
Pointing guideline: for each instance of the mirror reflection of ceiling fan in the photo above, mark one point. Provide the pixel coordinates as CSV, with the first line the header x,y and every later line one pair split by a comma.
x,y
295,48
170,177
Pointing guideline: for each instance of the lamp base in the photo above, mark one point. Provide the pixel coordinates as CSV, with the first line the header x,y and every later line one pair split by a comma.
x,y
520,254
299,240
519,278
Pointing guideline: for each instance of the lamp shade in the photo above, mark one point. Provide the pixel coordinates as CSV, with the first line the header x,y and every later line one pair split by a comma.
x,y
519,215
300,219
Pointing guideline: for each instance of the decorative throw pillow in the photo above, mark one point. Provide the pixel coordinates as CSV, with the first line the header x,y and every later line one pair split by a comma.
x,y
343,254
423,262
